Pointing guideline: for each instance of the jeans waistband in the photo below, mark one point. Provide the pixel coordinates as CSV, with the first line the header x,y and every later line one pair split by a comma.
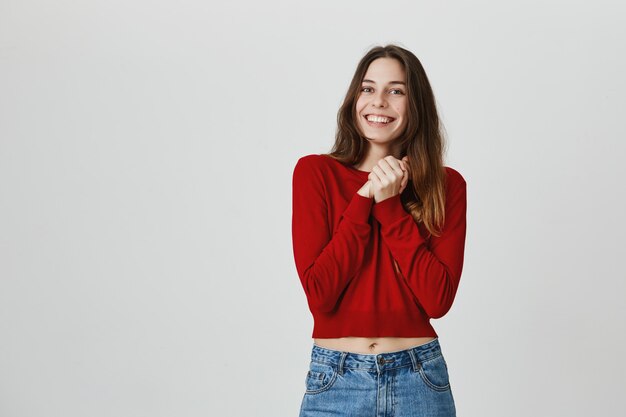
x,y
378,361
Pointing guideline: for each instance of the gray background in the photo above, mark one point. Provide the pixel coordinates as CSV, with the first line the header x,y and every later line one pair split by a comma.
x,y
146,155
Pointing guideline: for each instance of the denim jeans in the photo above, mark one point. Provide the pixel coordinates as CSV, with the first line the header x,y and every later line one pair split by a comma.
x,y
406,383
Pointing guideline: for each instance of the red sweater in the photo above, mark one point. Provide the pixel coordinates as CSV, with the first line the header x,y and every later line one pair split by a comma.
x,y
344,245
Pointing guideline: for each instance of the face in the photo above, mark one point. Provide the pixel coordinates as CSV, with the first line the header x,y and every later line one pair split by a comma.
x,y
383,94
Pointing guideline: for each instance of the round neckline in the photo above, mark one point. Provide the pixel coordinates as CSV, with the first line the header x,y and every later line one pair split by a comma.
x,y
349,167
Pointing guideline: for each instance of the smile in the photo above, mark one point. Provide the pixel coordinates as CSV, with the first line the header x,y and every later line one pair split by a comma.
x,y
378,121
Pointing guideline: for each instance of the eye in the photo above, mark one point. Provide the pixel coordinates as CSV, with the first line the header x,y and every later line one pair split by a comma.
x,y
399,92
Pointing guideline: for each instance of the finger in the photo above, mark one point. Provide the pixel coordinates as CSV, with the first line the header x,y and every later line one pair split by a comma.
x,y
375,179
391,167
383,163
379,176
395,163
405,181
368,185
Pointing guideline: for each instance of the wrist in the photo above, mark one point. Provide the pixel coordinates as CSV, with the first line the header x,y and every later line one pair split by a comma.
x,y
380,199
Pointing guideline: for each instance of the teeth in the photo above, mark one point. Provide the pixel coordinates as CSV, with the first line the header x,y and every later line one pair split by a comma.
x,y
378,119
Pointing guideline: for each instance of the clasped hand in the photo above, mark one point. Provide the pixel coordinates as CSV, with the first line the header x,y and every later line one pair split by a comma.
x,y
387,179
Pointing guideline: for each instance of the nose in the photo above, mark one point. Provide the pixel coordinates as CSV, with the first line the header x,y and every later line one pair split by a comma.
x,y
379,100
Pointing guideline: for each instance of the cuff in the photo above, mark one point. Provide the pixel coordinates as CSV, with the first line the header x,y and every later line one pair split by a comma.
x,y
389,210
359,208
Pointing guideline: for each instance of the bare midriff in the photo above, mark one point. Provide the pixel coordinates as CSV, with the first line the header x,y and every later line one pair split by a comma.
x,y
369,345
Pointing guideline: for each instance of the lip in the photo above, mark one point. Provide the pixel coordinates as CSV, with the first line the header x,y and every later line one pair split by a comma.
x,y
379,115
378,125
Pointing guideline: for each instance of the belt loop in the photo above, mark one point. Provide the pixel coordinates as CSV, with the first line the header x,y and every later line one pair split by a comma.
x,y
341,360
414,360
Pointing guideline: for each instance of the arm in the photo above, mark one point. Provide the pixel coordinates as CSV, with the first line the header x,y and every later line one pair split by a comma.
x,y
432,275
326,263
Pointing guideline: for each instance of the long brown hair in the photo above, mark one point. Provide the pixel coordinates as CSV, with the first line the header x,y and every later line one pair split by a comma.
x,y
422,140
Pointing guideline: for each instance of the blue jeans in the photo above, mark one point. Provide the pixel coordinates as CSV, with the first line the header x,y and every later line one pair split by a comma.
x,y
406,383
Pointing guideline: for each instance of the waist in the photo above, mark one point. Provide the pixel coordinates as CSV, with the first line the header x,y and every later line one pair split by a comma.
x,y
392,359
343,323
371,345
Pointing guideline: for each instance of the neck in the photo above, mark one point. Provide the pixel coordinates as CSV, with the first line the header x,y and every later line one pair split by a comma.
x,y
373,154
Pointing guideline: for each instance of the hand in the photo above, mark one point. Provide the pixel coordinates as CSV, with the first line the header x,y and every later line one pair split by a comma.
x,y
388,178
404,163
365,190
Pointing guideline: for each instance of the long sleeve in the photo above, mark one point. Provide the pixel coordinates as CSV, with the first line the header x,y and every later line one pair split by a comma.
x,y
325,261
433,274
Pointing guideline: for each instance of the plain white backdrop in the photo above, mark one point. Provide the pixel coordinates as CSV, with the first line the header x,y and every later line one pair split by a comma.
x,y
146,154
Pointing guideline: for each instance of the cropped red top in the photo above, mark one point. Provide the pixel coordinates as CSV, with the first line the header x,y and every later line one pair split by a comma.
x,y
344,245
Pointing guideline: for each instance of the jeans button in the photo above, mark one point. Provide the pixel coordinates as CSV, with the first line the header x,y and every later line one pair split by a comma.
x,y
381,360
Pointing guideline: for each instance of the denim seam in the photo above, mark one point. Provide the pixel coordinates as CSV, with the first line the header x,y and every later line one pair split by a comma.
x,y
430,384
325,387
431,358
422,374
357,368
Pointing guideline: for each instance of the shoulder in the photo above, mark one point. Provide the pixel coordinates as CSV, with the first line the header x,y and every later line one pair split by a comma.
x,y
310,160
310,168
456,186
454,177
312,164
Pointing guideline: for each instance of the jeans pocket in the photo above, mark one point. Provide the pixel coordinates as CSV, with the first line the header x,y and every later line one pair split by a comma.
x,y
320,377
434,373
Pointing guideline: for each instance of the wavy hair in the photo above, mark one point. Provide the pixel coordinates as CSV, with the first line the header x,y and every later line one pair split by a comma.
x,y
422,140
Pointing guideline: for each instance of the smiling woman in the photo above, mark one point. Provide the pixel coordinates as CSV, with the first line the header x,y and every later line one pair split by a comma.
x,y
383,84
378,231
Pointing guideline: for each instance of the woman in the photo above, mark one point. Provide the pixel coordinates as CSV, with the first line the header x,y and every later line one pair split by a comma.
x,y
378,238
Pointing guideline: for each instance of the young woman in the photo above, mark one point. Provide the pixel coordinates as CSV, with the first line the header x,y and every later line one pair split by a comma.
x,y
378,239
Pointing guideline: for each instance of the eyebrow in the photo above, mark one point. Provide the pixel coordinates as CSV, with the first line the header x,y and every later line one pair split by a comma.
x,y
390,82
